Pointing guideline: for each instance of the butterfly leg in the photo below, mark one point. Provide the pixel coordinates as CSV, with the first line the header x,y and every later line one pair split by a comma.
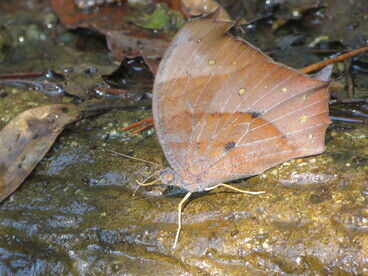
x,y
180,206
233,188
146,184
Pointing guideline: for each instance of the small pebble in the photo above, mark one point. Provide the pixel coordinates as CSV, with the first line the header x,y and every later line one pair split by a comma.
x,y
113,133
3,93
74,144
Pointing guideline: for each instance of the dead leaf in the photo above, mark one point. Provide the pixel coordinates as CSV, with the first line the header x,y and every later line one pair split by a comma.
x,y
27,138
105,17
123,40
133,44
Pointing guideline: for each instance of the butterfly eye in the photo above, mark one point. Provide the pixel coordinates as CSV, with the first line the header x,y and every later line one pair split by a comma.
x,y
167,177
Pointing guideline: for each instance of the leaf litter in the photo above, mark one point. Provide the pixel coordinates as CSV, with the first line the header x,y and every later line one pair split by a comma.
x,y
27,138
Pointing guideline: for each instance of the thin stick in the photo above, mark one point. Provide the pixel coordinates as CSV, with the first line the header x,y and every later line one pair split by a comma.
x,y
139,123
142,128
346,119
233,188
134,158
113,91
349,101
324,63
349,79
179,218
22,75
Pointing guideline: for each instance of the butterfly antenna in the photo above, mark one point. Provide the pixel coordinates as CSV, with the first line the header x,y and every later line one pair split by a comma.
x,y
134,158
233,188
180,206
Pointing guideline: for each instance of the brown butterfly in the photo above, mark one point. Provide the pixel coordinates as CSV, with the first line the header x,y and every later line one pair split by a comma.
x,y
223,110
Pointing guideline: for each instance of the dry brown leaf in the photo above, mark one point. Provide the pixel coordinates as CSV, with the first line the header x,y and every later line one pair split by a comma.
x,y
26,139
125,44
110,20
109,17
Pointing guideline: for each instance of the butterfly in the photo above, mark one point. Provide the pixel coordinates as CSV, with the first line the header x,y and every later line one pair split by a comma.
x,y
223,110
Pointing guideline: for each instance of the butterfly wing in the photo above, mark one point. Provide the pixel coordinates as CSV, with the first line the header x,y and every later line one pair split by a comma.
x,y
223,110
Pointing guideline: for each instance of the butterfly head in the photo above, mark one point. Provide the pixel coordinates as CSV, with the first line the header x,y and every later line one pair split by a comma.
x,y
169,177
